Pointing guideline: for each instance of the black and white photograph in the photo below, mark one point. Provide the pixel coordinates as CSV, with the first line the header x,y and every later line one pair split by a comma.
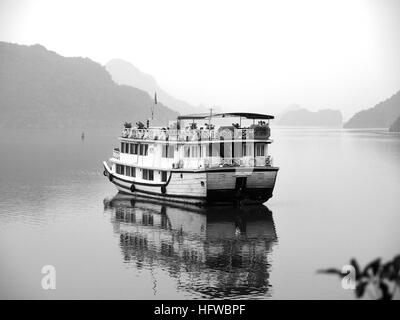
x,y
185,150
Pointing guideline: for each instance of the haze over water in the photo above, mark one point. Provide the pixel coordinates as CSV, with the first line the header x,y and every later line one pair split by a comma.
x,y
336,198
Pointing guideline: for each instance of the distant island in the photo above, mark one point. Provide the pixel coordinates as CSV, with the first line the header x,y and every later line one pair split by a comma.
x,y
301,117
395,127
383,115
42,89
123,72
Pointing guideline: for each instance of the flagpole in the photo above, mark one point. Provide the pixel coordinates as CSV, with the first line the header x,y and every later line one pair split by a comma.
x,y
209,124
154,104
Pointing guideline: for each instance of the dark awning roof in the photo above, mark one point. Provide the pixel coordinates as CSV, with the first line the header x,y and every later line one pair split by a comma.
x,y
194,116
246,115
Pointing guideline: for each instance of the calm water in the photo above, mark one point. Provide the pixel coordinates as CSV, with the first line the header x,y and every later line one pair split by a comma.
x,y
337,196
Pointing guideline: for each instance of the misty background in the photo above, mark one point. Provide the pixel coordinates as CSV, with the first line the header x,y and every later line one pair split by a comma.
x,y
260,56
73,67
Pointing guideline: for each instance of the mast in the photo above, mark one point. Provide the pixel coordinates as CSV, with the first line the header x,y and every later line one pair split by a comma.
x,y
209,120
154,104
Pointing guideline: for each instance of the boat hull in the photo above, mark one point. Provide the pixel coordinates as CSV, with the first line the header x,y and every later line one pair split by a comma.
x,y
221,185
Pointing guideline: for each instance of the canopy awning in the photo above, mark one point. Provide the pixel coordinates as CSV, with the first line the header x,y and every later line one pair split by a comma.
x,y
246,115
194,116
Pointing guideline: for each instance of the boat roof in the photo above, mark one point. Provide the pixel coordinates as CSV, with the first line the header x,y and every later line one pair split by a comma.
x,y
247,115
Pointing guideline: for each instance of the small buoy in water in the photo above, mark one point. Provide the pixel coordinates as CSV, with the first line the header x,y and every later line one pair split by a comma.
x,y
83,136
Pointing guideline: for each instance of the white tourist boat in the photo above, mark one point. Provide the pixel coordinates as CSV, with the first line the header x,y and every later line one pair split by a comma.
x,y
196,159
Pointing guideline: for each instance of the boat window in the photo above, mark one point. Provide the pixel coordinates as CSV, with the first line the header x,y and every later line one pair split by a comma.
x,y
260,149
163,176
186,151
246,149
202,151
143,149
194,152
128,171
167,151
213,150
122,147
148,174
131,149
133,172
120,169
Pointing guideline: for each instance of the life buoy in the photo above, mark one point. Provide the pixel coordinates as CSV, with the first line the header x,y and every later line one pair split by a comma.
x,y
110,177
105,173
132,188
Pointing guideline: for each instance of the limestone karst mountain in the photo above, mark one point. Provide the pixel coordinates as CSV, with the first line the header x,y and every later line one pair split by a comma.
x,y
42,89
382,115
126,73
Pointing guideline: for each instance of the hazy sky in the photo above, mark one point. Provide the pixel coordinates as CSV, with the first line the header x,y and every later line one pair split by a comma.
x,y
252,55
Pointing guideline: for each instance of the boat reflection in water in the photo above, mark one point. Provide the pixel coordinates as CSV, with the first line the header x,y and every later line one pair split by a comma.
x,y
212,252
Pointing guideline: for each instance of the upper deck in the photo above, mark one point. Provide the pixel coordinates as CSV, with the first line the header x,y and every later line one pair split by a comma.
x,y
189,129
201,135
195,144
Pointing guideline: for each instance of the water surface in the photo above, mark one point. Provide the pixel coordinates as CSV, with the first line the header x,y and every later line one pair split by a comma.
x,y
337,196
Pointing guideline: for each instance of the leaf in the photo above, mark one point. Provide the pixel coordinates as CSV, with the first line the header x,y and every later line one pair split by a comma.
x,y
372,266
356,267
396,263
331,271
396,260
386,295
388,271
360,288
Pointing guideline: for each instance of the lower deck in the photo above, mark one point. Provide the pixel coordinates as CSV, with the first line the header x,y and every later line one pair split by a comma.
x,y
252,184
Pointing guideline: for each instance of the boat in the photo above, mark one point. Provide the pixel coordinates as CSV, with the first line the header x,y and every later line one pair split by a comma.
x,y
197,159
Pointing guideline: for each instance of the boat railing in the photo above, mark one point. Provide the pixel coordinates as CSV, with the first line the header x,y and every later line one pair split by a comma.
x,y
190,134
212,162
228,162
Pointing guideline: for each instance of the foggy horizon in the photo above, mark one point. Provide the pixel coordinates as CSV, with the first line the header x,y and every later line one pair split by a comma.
x,y
236,55
113,190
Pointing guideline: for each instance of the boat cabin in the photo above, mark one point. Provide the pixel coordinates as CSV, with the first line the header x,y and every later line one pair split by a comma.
x,y
194,142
